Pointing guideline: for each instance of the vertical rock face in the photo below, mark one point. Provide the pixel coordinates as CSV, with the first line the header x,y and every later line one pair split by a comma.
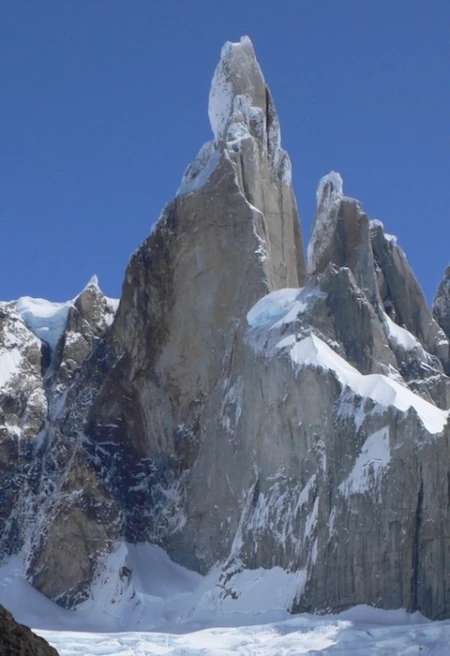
x,y
341,235
441,303
230,236
238,409
128,426
403,297
247,136
344,496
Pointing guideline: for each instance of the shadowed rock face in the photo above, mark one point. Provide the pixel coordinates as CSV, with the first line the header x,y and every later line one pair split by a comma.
x,y
40,471
18,640
441,303
239,409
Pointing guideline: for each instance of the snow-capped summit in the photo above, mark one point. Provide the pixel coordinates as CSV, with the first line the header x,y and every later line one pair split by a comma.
x,y
237,76
239,100
329,190
243,119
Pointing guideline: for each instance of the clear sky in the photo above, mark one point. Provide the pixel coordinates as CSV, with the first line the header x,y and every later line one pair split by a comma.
x,y
104,103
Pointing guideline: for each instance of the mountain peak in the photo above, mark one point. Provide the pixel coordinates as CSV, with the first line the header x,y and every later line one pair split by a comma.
x,y
93,282
242,117
238,86
329,189
237,443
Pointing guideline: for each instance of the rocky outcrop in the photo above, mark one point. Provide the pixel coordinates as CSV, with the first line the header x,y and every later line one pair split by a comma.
x,y
42,346
341,234
402,296
88,317
411,341
240,409
18,640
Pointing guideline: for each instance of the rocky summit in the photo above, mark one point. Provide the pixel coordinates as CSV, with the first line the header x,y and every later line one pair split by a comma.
x,y
242,406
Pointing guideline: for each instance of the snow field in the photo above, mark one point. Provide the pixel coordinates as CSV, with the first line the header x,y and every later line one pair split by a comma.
x,y
166,610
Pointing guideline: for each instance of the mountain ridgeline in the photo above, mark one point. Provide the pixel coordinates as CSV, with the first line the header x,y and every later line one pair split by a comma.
x,y
242,405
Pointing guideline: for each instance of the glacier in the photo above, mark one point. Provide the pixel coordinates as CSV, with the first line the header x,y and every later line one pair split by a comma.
x,y
177,612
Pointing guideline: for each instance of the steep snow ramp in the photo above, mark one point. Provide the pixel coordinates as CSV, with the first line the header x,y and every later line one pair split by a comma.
x,y
313,352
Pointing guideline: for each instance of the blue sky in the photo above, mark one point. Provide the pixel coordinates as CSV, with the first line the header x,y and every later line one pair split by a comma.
x,y
104,103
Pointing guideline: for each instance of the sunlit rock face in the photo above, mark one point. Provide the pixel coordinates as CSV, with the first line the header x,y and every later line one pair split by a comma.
x,y
230,236
238,407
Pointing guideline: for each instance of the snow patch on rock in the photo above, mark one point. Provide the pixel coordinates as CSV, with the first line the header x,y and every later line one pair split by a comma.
x,y
232,405
281,306
272,307
198,172
45,319
369,466
401,336
10,365
287,511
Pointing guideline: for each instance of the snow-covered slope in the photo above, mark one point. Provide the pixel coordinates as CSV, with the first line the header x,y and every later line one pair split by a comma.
x,y
144,604
363,631
138,587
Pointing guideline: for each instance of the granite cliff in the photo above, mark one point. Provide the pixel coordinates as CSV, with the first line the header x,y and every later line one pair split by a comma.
x,y
240,405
